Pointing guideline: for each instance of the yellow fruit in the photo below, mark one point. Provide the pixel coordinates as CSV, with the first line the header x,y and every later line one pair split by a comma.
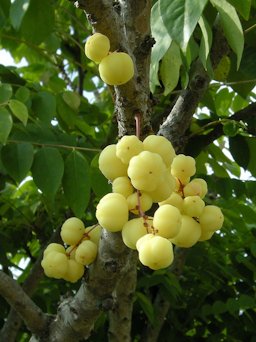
x,y
189,234
86,252
127,147
193,206
71,251
97,47
163,190
211,218
110,165
72,231
112,212
174,199
123,186
156,253
143,240
94,233
116,68
145,202
162,146
183,167
146,171
74,272
206,235
55,264
132,231
54,247
167,221
197,187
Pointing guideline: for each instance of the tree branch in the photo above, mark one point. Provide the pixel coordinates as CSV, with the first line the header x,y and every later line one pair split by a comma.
x,y
120,316
20,301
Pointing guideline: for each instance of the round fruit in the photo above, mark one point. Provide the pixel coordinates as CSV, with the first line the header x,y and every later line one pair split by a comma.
x,y
146,171
183,167
112,212
162,146
175,199
163,190
206,235
145,202
127,147
167,221
86,252
116,68
110,165
132,231
55,264
72,231
123,186
94,233
193,206
197,187
156,253
211,218
74,272
97,47
54,247
189,234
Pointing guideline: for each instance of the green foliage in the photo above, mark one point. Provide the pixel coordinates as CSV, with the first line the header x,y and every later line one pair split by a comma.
x,y
56,116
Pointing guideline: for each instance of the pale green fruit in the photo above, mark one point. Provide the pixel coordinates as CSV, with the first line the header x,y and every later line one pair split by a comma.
x,y
167,221
143,239
54,247
55,264
163,190
206,235
111,166
183,167
189,234
97,47
75,271
193,206
112,212
146,171
117,68
156,253
132,231
86,252
71,251
94,233
197,187
174,199
72,231
162,146
123,186
145,202
127,147
211,218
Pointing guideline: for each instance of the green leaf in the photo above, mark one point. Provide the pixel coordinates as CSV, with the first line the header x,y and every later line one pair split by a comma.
x,y
5,92
240,150
231,128
17,159
22,94
252,162
232,27
206,41
180,18
17,11
44,106
47,170
163,41
146,306
243,7
38,21
223,100
76,182
65,113
19,110
249,215
170,68
72,99
5,125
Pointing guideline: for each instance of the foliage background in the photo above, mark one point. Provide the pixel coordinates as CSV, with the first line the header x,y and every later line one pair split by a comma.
x,y
51,136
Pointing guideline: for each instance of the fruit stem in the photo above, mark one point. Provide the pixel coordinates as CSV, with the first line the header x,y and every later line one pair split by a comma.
x,y
138,124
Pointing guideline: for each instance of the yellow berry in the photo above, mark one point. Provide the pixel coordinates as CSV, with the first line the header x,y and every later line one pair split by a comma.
x,y
86,252
145,202
110,165
167,221
56,247
123,186
127,147
162,146
132,231
183,167
197,187
211,218
72,231
174,199
94,233
116,68
189,234
97,47
112,212
193,206
74,271
55,264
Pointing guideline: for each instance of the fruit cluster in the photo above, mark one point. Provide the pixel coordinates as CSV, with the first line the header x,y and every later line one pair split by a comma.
x,y
147,172
69,263
115,68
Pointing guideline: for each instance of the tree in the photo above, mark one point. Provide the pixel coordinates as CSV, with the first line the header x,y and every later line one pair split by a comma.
x,y
194,84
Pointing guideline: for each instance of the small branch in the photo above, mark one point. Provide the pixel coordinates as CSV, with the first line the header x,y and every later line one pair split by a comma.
x,y
120,317
32,315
